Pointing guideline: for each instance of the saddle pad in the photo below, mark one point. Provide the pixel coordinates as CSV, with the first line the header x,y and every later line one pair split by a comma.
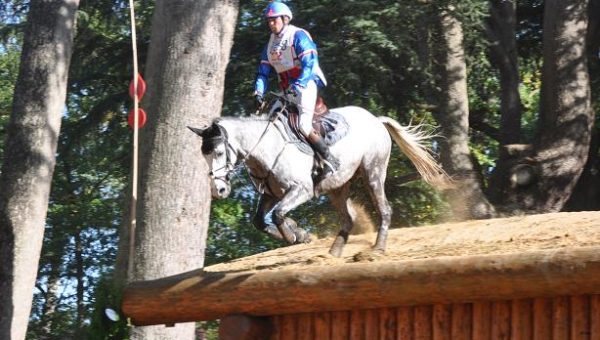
x,y
332,127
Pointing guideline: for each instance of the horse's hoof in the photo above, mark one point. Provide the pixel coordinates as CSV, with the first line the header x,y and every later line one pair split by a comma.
x,y
337,246
335,251
302,236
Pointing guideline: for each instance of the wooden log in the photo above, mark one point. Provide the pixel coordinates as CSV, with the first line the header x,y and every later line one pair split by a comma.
x,y
595,317
501,320
322,326
340,325
405,322
522,316
423,322
372,324
442,322
560,318
580,317
462,321
387,323
305,327
482,320
200,295
357,324
542,319
242,327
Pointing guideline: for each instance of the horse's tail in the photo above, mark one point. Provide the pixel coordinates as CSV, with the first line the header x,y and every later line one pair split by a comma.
x,y
410,139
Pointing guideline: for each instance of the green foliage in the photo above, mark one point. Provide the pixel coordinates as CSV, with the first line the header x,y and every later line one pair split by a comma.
x,y
231,234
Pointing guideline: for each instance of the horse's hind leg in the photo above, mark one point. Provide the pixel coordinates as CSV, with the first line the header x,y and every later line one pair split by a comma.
x,y
341,201
375,178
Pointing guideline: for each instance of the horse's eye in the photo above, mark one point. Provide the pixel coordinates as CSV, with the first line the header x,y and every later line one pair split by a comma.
x,y
219,153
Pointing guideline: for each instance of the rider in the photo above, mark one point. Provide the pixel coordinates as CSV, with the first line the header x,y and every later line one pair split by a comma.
x,y
292,53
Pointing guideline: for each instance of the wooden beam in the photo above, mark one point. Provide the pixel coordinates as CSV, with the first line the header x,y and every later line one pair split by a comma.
x,y
200,295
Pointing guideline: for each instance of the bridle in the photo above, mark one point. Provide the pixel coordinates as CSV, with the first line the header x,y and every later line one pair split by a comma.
x,y
231,167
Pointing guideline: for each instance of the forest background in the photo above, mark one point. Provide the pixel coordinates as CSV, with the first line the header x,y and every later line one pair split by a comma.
x,y
514,100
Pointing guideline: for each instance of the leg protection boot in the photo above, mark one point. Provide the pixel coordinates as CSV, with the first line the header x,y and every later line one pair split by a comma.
x,y
330,163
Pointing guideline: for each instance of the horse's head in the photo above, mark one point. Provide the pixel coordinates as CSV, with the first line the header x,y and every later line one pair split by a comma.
x,y
219,156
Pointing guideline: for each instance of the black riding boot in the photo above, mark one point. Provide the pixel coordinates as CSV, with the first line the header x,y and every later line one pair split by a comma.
x,y
330,163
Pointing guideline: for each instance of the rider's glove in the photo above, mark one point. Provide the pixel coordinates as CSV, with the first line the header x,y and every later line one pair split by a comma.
x,y
293,90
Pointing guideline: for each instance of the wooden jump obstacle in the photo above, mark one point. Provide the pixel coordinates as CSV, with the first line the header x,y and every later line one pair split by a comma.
x,y
534,277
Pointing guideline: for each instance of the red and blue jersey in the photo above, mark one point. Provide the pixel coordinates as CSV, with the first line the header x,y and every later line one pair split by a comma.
x,y
293,55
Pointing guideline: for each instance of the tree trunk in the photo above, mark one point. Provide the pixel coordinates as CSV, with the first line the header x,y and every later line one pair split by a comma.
x,y
566,116
38,104
503,52
467,200
189,51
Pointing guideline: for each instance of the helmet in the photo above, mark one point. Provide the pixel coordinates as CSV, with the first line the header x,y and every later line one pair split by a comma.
x,y
277,9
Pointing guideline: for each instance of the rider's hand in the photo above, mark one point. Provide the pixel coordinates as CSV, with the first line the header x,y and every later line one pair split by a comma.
x,y
259,100
292,90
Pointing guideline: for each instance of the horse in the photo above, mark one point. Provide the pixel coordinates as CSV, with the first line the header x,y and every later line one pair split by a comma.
x,y
283,173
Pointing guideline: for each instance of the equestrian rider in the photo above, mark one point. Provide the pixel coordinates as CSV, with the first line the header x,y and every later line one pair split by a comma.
x,y
292,53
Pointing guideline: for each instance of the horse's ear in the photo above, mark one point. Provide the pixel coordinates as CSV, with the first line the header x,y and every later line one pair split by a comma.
x,y
197,131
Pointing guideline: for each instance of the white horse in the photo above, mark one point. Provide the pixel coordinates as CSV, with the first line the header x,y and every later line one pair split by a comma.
x,y
283,174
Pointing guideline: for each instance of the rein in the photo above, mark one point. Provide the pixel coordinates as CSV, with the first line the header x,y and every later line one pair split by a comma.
x,y
229,166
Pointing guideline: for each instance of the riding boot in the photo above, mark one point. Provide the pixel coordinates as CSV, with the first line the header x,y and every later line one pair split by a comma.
x,y
330,163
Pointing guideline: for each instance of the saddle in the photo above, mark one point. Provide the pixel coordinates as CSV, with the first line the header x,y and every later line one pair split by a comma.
x,y
330,125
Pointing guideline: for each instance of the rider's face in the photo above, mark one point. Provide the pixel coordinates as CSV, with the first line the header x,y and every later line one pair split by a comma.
x,y
275,24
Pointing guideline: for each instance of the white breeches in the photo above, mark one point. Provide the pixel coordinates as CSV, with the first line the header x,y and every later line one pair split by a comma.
x,y
306,100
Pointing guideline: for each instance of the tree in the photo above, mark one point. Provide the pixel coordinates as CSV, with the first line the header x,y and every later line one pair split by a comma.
x,y
29,157
467,199
189,50
544,176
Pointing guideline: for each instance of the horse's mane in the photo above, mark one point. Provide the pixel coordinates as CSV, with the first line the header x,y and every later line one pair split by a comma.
x,y
253,118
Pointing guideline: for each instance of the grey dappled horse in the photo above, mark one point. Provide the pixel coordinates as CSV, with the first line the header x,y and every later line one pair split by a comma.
x,y
281,172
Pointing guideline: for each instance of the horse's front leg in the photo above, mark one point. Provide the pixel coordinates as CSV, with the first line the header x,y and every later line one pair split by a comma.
x,y
260,221
286,226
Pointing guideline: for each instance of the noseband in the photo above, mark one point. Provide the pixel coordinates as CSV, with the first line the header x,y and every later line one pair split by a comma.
x,y
229,166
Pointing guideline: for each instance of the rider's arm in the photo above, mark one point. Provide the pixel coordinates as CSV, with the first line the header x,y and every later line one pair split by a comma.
x,y
306,50
262,77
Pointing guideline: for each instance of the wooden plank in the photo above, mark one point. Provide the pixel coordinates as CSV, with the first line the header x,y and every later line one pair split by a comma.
x,y
276,323
340,325
242,327
441,322
462,321
483,277
560,318
482,320
405,318
542,319
357,324
372,324
500,320
305,326
595,317
580,313
521,319
423,325
387,323
322,328
287,331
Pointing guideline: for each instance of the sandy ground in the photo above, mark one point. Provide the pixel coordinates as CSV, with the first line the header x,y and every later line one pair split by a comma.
x,y
496,236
